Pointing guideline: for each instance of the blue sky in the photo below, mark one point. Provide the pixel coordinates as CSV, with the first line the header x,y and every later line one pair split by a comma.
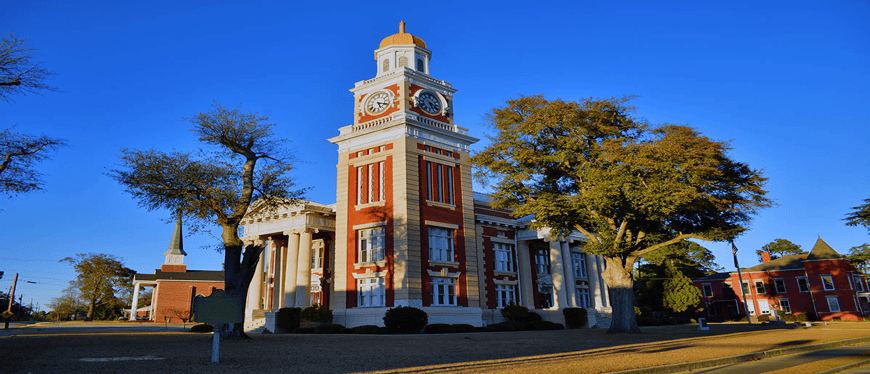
x,y
785,82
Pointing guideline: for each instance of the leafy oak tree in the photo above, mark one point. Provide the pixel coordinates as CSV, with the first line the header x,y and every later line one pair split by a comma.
x,y
860,215
100,277
630,188
246,163
779,248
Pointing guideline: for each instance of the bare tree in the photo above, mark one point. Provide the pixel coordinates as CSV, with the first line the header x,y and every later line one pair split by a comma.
x,y
19,73
19,153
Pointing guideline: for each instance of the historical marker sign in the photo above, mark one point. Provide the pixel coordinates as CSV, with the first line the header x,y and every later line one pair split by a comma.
x,y
217,309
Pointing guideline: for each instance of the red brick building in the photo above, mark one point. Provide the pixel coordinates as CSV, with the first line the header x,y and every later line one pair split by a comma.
x,y
822,284
174,287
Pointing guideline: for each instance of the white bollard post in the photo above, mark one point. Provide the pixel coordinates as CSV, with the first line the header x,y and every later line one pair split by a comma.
x,y
216,343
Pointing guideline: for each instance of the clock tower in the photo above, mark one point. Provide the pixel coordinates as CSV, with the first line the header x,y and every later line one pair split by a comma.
x,y
405,229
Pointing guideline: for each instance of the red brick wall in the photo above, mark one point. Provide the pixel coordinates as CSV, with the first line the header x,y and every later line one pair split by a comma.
x,y
171,296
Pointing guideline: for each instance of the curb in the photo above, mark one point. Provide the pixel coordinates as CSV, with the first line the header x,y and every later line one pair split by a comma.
x,y
666,369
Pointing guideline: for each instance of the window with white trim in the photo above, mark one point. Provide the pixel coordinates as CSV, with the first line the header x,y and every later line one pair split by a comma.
x,y
828,282
803,285
371,244
440,244
371,292
504,257
785,306
317,255
708,289
833,304
370,186
542,261
747,290
504,294
439,187
759,287
859,285
443,291
578,261
583,300
779,284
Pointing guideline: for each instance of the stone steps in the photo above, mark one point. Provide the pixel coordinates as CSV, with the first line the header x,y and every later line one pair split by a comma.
x,y
255,326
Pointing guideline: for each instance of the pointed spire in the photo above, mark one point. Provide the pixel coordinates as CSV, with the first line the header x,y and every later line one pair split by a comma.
x,y
176,246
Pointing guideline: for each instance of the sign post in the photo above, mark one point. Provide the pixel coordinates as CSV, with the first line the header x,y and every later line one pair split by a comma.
x,y
218,310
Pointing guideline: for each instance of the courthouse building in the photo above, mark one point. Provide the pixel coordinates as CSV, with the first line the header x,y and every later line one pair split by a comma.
x,y
406,228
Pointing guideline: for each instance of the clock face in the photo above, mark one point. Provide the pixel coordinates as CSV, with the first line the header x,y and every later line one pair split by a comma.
x,y
378,102
429,103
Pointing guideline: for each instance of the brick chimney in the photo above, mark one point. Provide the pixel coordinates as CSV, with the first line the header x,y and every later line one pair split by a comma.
x,y
765,257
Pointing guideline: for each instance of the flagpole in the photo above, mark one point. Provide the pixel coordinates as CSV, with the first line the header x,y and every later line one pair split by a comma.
x,y
740,277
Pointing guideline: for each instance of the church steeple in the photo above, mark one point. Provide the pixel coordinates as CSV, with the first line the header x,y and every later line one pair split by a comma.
x,y
175,254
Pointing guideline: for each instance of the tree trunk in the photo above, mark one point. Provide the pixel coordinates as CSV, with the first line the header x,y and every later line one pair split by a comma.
x,y
239,269
618,278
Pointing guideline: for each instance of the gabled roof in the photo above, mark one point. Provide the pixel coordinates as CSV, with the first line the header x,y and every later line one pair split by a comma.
x,y
714,277
782,263
822,251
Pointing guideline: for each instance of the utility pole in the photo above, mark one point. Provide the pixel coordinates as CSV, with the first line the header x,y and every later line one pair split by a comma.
x,y
8,313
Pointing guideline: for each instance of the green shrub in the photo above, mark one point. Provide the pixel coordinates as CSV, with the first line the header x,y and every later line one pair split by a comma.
x,y
317,313
514,312
763,318
303,330
802,317
405,319
576,318
668,322
202,327
382,331
484,329
648,321
329,328
544,325
789,318
288,318
463,327
504,326
439,328
533,316
365,329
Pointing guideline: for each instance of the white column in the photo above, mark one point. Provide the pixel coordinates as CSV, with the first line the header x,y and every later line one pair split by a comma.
x,y
594,278
277,295
568,267
133,309
303,271
527,296
255,290
290,269
558,274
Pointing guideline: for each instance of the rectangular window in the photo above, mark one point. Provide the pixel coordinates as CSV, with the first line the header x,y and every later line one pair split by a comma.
x,y
779,283
803,285
359,185
317,255
828,282
440,182
546,294
583,300
443,291
371,183
859,285
371,244
440,244
504,294
578,260
833,304
759,287
746,289
370,292
785,306
315,298
381,183
542,261
708,289
504,257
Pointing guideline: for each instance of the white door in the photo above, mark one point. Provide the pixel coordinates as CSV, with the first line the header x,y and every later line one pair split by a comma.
x,y
763,307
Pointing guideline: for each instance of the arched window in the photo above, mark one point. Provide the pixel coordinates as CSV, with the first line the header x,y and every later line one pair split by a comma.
x,y
403,62
420,65
386,65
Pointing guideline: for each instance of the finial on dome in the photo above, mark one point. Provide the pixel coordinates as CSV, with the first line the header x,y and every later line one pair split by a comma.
x,y
401,27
